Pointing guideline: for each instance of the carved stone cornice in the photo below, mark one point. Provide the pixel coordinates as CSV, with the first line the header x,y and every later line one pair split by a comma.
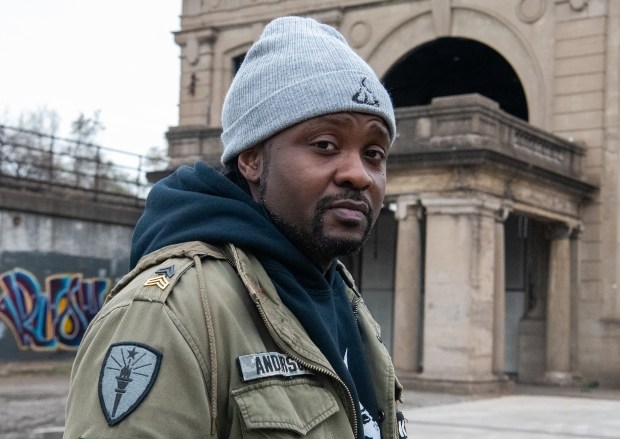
x,y
465,204
471,130
223,5
206,35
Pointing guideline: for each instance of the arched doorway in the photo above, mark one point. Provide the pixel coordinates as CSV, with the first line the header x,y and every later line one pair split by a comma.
x,y
453,66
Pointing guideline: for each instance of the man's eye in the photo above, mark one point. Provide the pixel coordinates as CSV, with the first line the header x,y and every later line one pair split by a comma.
x,y
323,144
375,154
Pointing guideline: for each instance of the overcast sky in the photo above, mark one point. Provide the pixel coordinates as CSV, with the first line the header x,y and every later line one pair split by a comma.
x,y
72,56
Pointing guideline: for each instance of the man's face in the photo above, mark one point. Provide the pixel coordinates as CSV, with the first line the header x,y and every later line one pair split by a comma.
x,y
323,181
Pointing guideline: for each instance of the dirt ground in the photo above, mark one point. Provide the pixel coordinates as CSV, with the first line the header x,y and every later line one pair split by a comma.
x,y
32,399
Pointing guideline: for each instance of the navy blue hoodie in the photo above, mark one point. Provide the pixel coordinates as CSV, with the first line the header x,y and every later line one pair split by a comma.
x,y
200,204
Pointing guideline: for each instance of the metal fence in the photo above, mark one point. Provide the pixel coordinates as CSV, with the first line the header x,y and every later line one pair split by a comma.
x,y
38,161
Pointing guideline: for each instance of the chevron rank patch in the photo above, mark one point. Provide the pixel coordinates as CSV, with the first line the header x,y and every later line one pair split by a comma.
x,y
158,281
268,364
128,373
161,281
168,271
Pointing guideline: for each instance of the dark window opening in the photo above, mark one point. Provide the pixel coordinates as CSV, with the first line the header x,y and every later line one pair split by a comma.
x,y
237,61
454,66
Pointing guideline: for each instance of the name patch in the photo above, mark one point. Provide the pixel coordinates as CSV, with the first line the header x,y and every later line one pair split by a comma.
x,y
268,364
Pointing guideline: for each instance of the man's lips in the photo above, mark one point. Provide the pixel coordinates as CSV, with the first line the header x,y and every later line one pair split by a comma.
x,y
359,206
350,209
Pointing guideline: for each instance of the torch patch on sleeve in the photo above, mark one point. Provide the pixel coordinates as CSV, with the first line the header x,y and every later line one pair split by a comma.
x,y
127,375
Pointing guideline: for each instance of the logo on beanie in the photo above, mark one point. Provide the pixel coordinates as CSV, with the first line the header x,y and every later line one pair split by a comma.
x,y
365,96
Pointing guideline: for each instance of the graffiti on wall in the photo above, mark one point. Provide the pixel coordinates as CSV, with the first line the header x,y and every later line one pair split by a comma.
x,y
54,318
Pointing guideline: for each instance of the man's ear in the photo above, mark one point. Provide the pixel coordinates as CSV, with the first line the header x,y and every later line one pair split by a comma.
x,y
250,162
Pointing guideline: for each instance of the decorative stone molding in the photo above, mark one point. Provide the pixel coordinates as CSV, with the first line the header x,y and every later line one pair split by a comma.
x,y
201,36
574,5
540,148
406,205
465,205
530,11
502,214
578,5
559,231
359,34
442,17
191,51
473,130
217,5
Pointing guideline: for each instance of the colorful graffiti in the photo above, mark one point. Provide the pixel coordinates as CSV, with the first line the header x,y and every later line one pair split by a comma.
x,y
51,319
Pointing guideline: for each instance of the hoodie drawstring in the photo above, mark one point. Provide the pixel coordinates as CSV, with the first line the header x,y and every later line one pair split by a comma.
x,y
212,348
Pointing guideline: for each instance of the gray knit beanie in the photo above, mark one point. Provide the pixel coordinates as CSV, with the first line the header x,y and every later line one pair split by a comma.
x,y
297,70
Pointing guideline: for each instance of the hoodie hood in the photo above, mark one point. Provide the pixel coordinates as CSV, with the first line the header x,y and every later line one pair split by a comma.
x,y
200,204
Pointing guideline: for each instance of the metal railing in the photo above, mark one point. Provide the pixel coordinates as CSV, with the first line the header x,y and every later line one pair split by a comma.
x,y
38,161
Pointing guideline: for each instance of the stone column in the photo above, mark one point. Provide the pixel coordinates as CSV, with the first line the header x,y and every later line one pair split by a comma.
x,y
459,293
407,321
558,307
499,309
195,138
196,81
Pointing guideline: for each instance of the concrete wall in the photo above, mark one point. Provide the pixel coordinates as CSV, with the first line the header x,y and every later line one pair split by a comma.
x,y
58,258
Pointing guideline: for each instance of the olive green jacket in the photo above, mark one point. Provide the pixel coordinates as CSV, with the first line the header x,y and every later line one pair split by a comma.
x,y
217,306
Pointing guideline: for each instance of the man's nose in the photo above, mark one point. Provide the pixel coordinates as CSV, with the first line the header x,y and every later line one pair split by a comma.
x,y
352,172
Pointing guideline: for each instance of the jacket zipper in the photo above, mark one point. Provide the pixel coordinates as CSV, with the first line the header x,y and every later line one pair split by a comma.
x,y
275,337
356,301
300,360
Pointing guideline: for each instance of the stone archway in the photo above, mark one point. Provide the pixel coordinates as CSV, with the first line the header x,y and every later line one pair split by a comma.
x,y
386,50
454,66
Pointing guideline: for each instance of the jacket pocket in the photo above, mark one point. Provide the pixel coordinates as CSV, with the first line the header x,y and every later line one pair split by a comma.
x,y
281,408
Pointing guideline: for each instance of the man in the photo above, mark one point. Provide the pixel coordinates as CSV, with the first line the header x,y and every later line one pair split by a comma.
x,y
237,320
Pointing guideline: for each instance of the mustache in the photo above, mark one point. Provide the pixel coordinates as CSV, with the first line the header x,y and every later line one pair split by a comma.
x,y
349,194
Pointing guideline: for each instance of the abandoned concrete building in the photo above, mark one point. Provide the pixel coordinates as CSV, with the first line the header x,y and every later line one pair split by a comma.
x,y
497,255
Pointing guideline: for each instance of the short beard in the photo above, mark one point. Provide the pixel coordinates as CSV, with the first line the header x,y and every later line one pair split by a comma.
x,y
313,241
